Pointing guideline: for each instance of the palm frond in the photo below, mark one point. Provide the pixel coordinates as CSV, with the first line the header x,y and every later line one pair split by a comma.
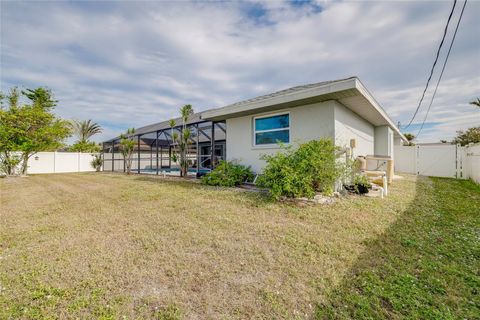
x,y
476,102
85,129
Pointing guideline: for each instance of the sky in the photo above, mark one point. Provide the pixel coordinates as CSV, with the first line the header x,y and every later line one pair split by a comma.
x,y
133,63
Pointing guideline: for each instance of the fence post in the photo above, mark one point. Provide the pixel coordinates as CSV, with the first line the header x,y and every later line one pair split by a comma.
x,y
460,154
416,157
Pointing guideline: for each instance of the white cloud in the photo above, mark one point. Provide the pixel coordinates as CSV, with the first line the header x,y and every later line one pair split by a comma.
x,y
131,64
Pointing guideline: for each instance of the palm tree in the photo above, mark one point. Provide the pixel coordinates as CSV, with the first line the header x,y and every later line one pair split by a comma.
x,y
127,143
85,129
475,102
181,141
186,111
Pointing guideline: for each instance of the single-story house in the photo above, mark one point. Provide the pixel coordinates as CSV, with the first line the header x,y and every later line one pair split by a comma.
x,y
343,110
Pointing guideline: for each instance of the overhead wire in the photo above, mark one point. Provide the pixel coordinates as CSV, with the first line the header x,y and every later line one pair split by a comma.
x,y
443,68
433,66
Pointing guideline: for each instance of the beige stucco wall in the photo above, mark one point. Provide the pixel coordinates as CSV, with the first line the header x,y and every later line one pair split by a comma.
x,y
307,122
349,125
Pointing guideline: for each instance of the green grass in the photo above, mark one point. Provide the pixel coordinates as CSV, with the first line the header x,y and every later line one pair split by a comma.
x,y
426,266
108,246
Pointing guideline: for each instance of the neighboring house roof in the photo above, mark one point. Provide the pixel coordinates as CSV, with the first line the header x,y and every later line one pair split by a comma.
x,y
350,92
194,118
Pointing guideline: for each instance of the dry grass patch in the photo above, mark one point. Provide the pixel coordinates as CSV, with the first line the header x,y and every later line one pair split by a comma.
x,y
107,246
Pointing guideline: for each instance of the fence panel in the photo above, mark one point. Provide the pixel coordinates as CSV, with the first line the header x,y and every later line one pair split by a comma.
x,y
471,162
58,162
405,159
42,162
437,161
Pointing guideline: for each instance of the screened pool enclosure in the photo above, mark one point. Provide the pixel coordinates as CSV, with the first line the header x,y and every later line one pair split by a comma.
x,y
154,149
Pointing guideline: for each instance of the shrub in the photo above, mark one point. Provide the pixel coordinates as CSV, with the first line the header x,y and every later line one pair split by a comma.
x,y
85,146
359,185
301,172
228,174
96,162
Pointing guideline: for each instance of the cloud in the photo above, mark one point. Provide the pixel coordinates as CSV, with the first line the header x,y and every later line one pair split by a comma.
x,y
127,64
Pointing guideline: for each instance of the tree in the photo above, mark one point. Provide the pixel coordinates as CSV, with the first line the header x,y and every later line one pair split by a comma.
x,y
174,136
410,137
471,135
85,146
127,145
85,129
476,102
13,97
31,128
40,97
182,140
8,160
2,97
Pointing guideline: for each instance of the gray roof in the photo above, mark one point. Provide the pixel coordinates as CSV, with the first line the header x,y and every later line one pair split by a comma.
x,y
282,92
197,117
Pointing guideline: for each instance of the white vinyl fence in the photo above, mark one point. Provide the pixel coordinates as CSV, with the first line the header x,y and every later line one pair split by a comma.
x,y
443,160
58,162
471,163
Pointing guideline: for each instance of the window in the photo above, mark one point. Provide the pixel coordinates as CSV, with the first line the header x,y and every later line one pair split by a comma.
x,y
272,129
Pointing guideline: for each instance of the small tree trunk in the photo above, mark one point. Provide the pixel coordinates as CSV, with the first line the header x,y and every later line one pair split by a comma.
x,y
185,165
8,163
129,163
24,167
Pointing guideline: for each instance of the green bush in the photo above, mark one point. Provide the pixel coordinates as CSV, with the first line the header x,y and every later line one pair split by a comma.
x,y
228,174
301,172
85,146
96,162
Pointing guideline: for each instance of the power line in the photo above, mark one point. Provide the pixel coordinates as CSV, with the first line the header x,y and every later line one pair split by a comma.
x,y
443,68
434,64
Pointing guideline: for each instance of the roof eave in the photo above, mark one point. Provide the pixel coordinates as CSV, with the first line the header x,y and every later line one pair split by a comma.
x,y
232,111
364,91
346,85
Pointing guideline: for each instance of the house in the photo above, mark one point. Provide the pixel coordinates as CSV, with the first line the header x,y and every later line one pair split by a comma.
x,y
343,110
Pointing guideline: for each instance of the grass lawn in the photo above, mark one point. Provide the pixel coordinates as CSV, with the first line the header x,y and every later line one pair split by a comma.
x,y
110,246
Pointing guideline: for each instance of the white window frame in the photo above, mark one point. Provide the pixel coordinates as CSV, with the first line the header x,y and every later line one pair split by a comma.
x,y
271,130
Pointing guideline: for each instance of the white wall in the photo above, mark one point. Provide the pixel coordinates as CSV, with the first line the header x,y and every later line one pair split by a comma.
x,y
383,141
439,160
307,123
56,162
349,125
404,159
471,162
397,141
429,160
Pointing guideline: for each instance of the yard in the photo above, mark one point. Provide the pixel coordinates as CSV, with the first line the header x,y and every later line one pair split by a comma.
x,y
111,246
